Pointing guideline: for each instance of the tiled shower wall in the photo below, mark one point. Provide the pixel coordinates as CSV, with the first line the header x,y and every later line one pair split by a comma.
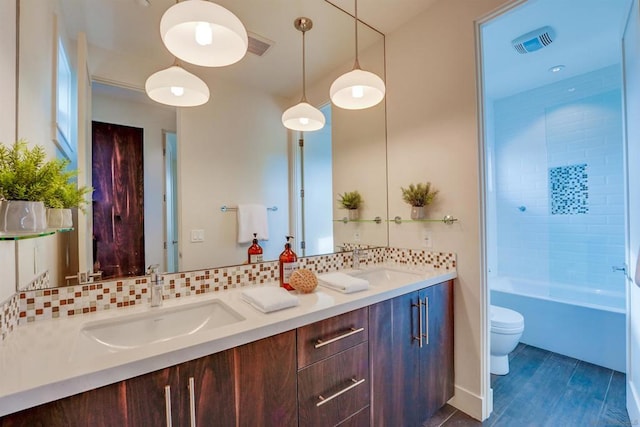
x,y
558,182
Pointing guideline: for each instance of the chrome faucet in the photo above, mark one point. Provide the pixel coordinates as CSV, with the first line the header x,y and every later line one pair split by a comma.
x,y
357,254
155,286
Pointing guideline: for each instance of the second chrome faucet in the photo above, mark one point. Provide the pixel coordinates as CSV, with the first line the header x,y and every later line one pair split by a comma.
x,y
155,286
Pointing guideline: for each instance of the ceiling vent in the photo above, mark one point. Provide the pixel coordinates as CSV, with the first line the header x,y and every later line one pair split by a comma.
x,y
534,40
258,45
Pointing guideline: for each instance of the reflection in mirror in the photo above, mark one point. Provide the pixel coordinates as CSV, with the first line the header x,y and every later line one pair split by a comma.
x,y
231,151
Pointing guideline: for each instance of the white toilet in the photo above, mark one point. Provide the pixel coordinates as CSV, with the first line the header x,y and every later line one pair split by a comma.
x,y
506,329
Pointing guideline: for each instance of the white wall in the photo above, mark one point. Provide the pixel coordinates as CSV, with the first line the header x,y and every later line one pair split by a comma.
x,y
7,125
153,119
231,150
433,136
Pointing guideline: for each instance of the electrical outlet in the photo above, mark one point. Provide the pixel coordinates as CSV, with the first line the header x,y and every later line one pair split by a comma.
x,y
427,239
197,235
356,236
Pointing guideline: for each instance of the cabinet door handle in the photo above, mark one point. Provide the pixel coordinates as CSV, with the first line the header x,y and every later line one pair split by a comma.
x,y
354,383
352,331
167,404
192,402
426,315
420,334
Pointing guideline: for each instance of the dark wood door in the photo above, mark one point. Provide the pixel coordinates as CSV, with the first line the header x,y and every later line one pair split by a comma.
x,y
118,209
436,365
395,367
266,382
213,390
146,398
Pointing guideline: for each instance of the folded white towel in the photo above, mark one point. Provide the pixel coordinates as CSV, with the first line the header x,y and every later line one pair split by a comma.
x,y
269,298
343,282
252,219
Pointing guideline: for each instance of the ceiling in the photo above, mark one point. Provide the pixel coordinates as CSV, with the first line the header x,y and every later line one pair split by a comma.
x,y
588,35
132,29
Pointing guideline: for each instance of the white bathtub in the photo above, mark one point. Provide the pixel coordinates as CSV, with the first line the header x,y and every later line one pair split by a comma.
x,y
586,324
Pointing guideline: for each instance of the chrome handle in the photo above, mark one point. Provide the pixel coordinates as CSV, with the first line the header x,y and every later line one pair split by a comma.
x,y
419,337
352,331
354,383
167,404
192,402
426,315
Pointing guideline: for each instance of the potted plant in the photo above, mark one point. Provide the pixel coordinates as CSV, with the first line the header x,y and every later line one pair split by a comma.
x,y
28,182
67,195
351,201
418,196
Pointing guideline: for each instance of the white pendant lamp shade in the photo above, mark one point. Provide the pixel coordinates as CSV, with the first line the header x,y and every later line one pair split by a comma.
x,y
177,87
357,89
303,117
203,33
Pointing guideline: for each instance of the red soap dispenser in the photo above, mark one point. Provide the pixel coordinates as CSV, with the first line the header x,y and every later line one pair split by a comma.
x,y
288,263
254,253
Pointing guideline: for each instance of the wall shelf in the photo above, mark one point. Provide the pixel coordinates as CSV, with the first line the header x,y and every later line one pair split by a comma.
x,y
448,219
345,220
24,236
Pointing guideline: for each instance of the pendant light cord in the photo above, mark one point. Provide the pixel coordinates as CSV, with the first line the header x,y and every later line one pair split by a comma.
x,y
304,78
357,63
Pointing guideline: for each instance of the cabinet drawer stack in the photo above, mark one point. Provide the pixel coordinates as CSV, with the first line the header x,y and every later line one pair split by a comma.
x,y
333,371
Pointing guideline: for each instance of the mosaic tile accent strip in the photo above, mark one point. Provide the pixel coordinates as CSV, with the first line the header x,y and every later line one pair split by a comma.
x,y
40,282
569,190
9,312
77,300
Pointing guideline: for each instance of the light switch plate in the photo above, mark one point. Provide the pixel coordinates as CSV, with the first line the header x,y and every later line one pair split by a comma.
x,y
197,235
427,239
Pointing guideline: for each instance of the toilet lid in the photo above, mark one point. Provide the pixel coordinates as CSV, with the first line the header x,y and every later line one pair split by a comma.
x,y
505,318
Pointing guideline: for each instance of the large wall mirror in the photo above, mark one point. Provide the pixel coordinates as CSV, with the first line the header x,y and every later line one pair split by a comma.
x,y
198,161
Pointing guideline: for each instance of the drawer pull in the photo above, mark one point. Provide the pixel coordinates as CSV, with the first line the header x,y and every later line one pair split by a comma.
x,y
420,334
352,331
192,402
167,404
354,383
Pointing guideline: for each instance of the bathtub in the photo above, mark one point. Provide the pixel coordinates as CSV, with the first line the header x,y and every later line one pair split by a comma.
x,y
587,324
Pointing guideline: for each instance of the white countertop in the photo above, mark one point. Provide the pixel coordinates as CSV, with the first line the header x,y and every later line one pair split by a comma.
x,y
38,362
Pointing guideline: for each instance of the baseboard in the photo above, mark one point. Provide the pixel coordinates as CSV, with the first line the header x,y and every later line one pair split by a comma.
x,y
467,402
633,404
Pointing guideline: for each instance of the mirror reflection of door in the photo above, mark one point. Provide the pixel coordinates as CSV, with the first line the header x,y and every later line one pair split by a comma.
x,y
316,182
171,201
118,210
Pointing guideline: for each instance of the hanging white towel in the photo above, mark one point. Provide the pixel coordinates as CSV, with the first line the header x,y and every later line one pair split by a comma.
x,y
269,298
252,218
342,282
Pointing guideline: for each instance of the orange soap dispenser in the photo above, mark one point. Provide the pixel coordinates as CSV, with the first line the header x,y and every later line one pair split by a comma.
x,y
254,253
288,263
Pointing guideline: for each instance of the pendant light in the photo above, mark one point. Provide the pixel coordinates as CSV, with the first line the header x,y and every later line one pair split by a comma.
x,y
177,87
357,89
203,33
303,116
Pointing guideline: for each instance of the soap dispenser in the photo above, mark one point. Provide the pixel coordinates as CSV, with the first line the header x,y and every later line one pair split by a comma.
x,y
254,253
288,263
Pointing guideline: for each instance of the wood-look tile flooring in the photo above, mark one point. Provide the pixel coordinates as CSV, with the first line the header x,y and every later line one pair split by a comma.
x,y
548,389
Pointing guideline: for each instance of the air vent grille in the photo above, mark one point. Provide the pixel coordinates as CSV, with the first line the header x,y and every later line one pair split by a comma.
x,y
258,45
534,40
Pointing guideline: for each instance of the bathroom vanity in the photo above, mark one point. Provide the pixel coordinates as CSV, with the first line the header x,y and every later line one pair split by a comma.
x,y
380,357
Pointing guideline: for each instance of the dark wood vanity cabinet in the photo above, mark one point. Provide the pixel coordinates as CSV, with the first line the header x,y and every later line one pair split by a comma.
x,y
411,352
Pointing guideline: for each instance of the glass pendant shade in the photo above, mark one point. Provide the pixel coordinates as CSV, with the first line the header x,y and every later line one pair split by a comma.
x,y
177,87
203,33
303,117
357,89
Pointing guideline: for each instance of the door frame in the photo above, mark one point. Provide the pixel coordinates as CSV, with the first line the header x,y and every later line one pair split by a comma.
x,y
170,216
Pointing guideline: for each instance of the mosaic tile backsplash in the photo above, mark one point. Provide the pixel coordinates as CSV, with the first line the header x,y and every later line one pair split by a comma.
x,y
569,190
41,304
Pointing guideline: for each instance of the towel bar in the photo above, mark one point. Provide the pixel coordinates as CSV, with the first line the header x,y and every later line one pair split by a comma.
x,y
225,208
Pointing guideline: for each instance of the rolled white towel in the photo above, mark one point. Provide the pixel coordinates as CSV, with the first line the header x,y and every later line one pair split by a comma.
x,y
343,282
269,298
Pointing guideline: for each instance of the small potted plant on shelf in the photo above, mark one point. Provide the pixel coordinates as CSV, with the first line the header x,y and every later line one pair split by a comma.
x,y
351,201
418,196
66,196
28,183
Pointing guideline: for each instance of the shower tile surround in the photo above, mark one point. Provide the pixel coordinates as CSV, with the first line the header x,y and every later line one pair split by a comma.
x,y
562,126
42,304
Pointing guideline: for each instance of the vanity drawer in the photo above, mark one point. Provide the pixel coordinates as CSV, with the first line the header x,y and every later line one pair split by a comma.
x,y
327,337
334,389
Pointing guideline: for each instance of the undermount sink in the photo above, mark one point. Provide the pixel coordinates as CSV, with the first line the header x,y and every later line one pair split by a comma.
x,y
156,325
383,276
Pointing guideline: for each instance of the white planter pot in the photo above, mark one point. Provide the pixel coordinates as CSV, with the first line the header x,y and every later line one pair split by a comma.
x,y
59,218
18,216
353,214
417,212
